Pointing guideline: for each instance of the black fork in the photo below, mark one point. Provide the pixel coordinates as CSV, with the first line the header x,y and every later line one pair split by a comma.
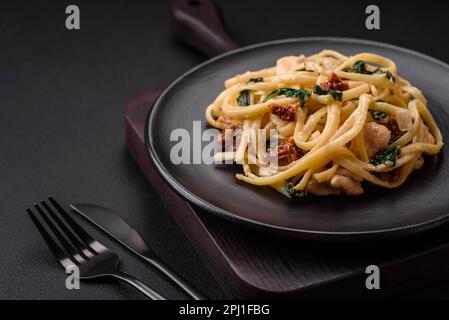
x,y
72,246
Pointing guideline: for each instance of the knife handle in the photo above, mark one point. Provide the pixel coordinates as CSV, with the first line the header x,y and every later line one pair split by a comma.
x,y
147,291
174,277
199,24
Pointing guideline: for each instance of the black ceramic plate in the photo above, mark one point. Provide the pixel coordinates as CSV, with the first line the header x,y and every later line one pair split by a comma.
x,y
420,204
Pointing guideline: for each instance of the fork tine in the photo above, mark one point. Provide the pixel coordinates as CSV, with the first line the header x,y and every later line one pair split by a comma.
x,y
55,248
82,247
93,245
69,248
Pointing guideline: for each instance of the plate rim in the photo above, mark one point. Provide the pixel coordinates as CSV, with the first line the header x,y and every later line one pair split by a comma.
x,y
295,232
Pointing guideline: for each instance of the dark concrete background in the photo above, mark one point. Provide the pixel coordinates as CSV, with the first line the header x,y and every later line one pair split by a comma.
x,y
62,95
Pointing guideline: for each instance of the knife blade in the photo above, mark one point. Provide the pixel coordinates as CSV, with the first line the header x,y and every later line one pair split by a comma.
x,y
113,224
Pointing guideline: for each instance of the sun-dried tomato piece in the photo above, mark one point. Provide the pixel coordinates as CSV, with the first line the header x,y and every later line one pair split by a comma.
x,y
392,125
334,83
228,137
287,152
287,113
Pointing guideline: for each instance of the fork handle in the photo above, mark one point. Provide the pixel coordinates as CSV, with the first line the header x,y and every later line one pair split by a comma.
x,y
147,291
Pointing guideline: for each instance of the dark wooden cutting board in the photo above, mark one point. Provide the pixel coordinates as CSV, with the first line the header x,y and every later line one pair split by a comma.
x,y
249,264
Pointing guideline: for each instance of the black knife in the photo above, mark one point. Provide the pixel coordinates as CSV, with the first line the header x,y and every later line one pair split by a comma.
x,y
111,223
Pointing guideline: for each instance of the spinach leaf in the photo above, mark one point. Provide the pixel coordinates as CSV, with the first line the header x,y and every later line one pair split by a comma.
x,y
319,91
387,157
290,189
336,94
378,115
244,99
255,80
360,67
289,93
389,75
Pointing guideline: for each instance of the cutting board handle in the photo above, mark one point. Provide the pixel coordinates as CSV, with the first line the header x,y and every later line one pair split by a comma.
x,y
199,24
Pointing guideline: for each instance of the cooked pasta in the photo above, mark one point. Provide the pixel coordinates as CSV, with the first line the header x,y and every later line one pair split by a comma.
x,y
339,121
